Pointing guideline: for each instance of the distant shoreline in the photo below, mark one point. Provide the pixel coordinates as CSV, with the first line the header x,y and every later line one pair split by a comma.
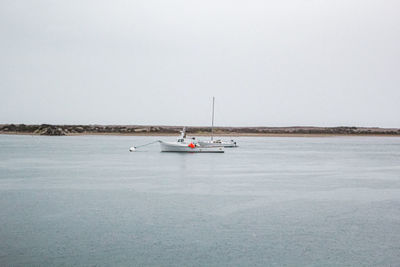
x,y
220,135
145,130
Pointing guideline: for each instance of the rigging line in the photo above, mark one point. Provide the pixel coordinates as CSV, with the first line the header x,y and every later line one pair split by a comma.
x,y
147,144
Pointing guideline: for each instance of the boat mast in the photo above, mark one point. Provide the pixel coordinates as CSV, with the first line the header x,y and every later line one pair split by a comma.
x,y
212,122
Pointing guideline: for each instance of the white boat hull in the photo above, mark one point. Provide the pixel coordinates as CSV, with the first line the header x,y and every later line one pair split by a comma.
x,y
177,147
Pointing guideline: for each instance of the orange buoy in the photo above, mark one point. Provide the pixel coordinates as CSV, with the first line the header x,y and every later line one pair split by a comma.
x,y
191,145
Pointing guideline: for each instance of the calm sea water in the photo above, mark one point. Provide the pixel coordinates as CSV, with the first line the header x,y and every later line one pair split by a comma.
x,y
331,201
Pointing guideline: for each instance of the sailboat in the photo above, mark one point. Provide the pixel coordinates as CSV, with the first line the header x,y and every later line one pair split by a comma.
x,y
218,142
183,144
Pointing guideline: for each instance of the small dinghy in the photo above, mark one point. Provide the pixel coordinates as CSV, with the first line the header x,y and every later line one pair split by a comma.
x,y
218,143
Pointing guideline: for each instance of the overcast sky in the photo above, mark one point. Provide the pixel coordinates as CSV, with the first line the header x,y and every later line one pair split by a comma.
x,y
268,63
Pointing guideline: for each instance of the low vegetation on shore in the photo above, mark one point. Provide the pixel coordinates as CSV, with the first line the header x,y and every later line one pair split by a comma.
x,y
47,129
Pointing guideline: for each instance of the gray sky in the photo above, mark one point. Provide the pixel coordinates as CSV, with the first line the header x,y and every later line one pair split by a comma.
x,y
268,63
